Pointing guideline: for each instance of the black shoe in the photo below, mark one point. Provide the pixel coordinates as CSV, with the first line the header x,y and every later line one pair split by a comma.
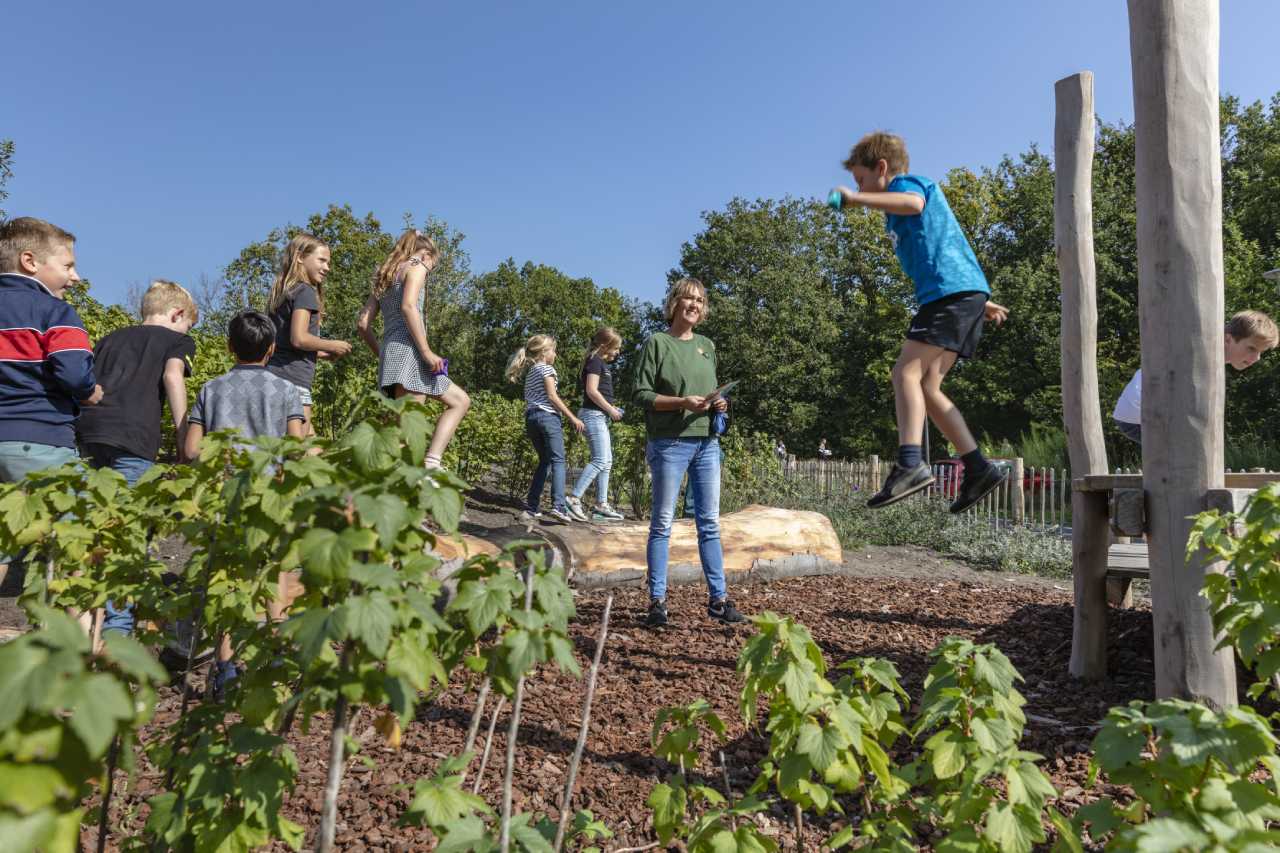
x,y
975,487
724,611
657,616
901,483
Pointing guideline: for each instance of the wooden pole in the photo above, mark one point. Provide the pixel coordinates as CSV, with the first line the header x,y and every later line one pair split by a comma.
x,y
1019,493
1081,412
1173,46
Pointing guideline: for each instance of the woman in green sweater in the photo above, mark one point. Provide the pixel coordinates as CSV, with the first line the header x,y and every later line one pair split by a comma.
x,y
674,382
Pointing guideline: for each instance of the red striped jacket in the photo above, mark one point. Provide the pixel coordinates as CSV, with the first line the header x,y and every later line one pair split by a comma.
x,y
46,364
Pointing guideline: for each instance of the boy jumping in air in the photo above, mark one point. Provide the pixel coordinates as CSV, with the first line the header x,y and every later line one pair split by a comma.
x,y
952,293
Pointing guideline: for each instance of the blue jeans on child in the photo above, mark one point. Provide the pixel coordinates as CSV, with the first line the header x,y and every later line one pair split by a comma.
x,y
131,468
669,459
20,458
547,435
600,442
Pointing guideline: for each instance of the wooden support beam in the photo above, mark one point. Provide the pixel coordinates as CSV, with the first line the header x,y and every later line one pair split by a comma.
x,y
1081,411
1110,482
1129,512
1178,158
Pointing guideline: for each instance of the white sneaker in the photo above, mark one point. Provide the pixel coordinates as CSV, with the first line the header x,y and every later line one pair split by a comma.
x,y
574,505
608,513
559,514
529,517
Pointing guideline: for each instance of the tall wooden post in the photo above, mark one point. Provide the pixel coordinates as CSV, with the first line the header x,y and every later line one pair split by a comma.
x,y
1174,51
1081,412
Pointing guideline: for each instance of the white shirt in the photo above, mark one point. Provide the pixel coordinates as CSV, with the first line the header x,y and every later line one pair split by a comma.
x,y
1129,406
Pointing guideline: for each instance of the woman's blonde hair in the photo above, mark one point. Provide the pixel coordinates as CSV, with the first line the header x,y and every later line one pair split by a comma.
x,y
684,287
411,242
604,340
290,272
533,349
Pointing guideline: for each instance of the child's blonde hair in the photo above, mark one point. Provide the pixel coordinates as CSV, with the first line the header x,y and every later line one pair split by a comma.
x,y
28,234
684,287
604,340
290,272
1253,324
411,242
164,296
534,349
877,146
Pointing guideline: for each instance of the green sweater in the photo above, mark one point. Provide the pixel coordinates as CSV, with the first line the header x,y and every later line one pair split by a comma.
x,y
675,368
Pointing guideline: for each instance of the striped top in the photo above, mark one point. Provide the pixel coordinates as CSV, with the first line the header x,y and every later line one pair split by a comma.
x,y
535,389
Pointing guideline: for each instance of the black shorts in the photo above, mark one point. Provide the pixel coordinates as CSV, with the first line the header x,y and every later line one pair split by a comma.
x,y
953,322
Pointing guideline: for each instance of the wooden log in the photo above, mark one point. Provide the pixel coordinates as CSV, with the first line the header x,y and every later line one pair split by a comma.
x,y
1178,159
1109,482
1019,493
1081,410
753,536
1129,512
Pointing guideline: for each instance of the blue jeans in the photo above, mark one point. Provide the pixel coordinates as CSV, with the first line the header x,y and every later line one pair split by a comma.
x,y
20,458
547,435
600,442
131,468
669,459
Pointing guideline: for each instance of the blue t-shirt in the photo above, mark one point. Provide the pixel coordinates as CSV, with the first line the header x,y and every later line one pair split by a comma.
x,y
932,249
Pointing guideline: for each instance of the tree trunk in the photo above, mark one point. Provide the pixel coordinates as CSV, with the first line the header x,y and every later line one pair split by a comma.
x,y
1174,51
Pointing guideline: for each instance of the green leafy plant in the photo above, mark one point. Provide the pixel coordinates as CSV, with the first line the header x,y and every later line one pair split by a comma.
x,y
1192,774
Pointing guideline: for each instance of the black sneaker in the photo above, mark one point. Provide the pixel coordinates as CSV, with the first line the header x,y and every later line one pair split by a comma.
x,y
902,483
724,611
657,617
975,487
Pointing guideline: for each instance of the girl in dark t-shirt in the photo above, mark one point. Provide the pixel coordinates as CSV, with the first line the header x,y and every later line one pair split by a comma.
x,y
295,306
596,383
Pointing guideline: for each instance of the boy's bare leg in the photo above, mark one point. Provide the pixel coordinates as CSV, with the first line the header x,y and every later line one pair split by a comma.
x,y
224,648
915,362
941,410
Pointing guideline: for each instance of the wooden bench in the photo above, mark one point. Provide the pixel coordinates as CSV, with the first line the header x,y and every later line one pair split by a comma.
x,y
1128,561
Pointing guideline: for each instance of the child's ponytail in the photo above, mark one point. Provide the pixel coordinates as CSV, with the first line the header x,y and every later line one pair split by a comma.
x,y
411,242
533,349
290,271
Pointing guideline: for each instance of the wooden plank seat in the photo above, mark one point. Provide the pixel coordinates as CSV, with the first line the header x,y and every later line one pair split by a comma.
x,y
1128,561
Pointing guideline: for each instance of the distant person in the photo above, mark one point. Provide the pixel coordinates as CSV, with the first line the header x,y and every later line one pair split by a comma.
x,y
595,380
46,361
824,452
675,381
254,401
296,306
953,297
140,367
533,364
407,365
1248,335
780,450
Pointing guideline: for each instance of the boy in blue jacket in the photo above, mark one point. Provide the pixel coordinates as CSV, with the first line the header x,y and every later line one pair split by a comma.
x,y
46,361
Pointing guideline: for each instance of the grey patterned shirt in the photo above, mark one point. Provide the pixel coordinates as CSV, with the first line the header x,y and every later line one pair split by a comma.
x,y
535,387
249,398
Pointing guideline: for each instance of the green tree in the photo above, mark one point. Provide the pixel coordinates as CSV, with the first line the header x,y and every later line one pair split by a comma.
x,y
6,171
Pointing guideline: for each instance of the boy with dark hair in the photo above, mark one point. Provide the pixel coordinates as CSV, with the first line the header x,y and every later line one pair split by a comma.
x,y
953,298
253,400
46,363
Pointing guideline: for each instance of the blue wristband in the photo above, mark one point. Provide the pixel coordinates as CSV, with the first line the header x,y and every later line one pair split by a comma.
x,y
835,201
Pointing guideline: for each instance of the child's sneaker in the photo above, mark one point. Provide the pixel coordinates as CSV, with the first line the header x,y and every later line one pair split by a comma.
x,y
975,487
657,615
530,516
902,483
223,675
724,611
560,513
604,512
573,506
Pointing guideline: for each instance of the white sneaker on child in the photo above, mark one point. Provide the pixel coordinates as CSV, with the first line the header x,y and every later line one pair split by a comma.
x,y
608,513
574,506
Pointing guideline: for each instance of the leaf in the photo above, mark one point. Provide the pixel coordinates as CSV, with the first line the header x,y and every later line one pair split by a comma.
x,y
314,630
387,513
133,658
415,662
441,801
1165,833
1013,828
416,430
28,787
373,449
466,836
821,745
946,755
97,703
369,619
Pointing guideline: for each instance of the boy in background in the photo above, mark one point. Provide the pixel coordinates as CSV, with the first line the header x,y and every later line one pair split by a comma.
x,y
953,298
253,400
139,367
1248,335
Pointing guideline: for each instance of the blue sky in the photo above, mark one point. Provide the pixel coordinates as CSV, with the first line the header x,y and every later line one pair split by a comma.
x,y
588,136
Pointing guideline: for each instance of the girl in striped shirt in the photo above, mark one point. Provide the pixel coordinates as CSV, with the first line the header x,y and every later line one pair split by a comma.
x,y
542,410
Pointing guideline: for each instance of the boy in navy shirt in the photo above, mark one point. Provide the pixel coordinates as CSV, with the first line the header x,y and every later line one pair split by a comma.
x,y
952,294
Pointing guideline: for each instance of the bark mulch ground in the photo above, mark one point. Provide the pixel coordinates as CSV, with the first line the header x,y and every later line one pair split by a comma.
x,y
898,618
